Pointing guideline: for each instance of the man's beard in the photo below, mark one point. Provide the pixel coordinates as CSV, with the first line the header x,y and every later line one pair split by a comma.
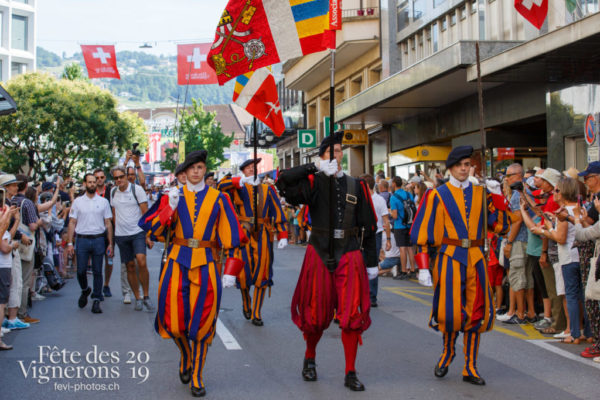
x,y
90,190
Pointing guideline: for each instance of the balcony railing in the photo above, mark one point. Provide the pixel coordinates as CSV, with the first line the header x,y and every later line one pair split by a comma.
x,y
354,13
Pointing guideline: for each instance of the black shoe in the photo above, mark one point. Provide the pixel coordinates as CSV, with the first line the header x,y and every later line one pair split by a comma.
x,y
198,392
474,380
336,321
106,291
352,382
247,314
96,307
440,372
401,276
309,370
373,304
185,377
83,298
257,322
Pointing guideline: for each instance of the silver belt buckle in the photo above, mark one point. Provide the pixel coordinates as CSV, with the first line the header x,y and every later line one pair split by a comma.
x,y
465,243
193,243
338,233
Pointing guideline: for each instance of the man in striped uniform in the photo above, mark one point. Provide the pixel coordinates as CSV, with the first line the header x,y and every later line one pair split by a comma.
x,y
196,221
451,219
258,252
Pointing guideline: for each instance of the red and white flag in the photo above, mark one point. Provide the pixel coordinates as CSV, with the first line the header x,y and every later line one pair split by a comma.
x,y
256,92
101,61
192,68
534,11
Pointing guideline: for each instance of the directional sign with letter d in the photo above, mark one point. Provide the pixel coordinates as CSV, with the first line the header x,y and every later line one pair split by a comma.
x,y
307,138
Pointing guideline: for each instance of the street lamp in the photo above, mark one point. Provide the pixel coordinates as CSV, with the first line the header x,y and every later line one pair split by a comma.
x,y
261,141
269,137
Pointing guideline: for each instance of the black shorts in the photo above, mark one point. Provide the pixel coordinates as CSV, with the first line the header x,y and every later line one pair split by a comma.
x,y
5,281
402,237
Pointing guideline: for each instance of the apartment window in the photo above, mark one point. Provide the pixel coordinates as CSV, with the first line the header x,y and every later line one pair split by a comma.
x,y
435,37
17,68
19,33
463,12
444,24
437,3
403,10
1,68
419,8
21,1
453,19
473,6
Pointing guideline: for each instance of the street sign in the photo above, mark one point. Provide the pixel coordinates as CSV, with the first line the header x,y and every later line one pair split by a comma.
x,y
307,138
336,127
355,137
590,130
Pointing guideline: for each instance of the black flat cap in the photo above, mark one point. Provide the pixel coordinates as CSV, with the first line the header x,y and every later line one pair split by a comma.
x,y
192,158
248,162
209,175
336,138
178,169
457,154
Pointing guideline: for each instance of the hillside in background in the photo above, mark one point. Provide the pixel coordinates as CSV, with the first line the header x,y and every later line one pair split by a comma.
x,y
146,80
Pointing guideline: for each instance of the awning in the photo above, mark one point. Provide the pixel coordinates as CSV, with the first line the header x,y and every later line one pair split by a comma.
x,y
431,83
568,55
420,154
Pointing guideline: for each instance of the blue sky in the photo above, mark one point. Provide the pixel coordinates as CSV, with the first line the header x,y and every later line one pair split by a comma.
x,y
63,25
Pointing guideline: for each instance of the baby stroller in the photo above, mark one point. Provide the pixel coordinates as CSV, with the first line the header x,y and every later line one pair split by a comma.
x,y
49,277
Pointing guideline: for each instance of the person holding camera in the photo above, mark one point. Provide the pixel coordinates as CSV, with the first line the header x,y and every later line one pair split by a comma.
x,y
129,202
520,274
134,167
90,218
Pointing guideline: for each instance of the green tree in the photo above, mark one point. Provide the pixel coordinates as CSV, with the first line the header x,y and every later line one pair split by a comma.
x,y
62,126
200,130
73,72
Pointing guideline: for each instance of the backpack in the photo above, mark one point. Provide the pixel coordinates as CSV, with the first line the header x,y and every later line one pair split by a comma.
x,y
410,210
133,190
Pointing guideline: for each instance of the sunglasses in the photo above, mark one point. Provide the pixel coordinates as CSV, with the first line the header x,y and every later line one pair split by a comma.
x,y
585,178
556,191
118,176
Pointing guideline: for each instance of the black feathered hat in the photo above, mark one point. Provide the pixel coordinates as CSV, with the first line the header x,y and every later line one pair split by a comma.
x,y
334,139
248,162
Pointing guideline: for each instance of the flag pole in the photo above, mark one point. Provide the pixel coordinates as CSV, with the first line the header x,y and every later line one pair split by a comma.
x,y
255,188
331,260
483,149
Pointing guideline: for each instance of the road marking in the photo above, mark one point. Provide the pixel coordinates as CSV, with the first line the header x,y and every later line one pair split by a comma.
x,y
545,344
404,293
226,337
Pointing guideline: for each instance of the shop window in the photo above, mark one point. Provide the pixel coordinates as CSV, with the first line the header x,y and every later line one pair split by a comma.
x,y
403,16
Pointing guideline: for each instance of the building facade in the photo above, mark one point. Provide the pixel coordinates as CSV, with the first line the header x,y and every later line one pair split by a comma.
x,y
17,38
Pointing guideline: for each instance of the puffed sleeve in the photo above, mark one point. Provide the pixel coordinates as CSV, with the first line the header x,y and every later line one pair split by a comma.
x,y
295,184
276,214
428,226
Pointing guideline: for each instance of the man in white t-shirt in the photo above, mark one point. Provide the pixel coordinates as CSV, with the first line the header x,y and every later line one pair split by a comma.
x,y
129,202
392,257
90,218
383,223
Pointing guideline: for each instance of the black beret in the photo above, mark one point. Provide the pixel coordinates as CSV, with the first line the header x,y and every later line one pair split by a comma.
x,y
336,138
191,159
457,154
209,175
178,169
248,162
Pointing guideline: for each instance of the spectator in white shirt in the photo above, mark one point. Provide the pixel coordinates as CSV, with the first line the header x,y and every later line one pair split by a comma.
x,y
392,257
90,219
129,202
382,213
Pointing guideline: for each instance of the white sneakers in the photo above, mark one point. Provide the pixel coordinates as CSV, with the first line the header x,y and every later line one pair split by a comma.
x,y
127,298
503,317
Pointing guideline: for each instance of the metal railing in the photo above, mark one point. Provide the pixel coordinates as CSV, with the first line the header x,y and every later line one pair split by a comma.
x,y
368,12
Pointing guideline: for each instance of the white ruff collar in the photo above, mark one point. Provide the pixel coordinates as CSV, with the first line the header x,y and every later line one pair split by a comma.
x,y
456,183
197,187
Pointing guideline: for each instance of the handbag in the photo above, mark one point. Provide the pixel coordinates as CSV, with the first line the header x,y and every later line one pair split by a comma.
x,y
592,287
26,251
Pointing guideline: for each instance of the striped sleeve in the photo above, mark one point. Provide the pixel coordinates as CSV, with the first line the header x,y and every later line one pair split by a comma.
x,y
229,231
428,226
156,219
276,213
499,214
228,184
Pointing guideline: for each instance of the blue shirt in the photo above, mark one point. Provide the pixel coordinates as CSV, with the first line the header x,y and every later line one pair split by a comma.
x,y
396,204
515,200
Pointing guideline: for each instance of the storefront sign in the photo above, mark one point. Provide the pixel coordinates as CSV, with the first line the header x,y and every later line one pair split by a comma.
x,y
307,138
355,137
506,153
336,127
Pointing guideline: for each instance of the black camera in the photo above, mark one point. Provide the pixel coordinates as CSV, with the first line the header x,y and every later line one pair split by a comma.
x,y
69,185
67,204
134,149
518,186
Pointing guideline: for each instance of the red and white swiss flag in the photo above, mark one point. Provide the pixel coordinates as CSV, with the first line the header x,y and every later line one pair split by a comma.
x,y
101,61
192,68
534,11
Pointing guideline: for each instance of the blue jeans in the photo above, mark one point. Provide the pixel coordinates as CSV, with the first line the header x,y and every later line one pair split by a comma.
x,y
374,283
84,249
574,293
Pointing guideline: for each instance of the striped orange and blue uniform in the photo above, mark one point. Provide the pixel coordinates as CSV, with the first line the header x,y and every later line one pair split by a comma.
x,y
257,254
189,292
463,298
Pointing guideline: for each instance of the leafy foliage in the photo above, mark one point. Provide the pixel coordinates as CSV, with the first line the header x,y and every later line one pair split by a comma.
x,y
74,72
64,126
200,130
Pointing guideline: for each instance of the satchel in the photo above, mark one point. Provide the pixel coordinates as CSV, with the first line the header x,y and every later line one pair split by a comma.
x,y
26,251
592,288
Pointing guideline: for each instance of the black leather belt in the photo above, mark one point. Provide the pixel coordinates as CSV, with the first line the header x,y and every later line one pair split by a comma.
x,y
91,236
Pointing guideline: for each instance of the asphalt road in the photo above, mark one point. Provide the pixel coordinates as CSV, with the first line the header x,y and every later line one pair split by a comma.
x,y
395,362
